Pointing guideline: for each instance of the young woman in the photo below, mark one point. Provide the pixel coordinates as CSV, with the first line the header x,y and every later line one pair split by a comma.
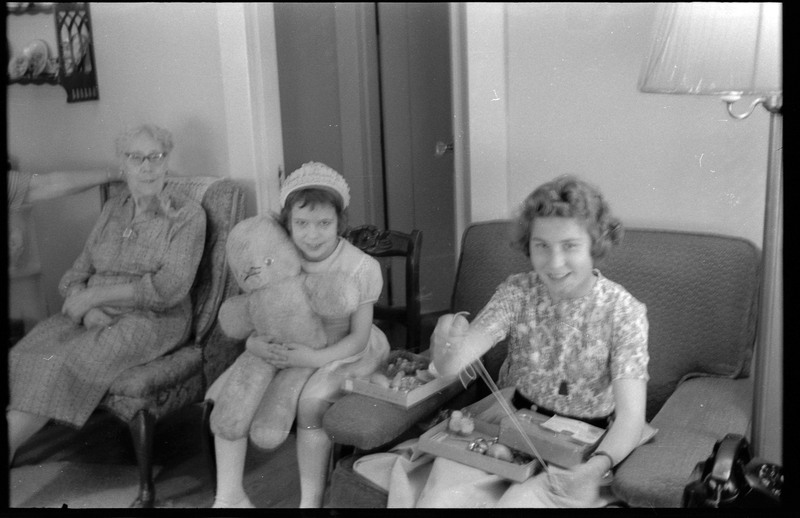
x,y
314,200
577,347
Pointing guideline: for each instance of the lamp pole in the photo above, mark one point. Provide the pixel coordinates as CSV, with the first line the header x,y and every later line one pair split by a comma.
x,y
768,392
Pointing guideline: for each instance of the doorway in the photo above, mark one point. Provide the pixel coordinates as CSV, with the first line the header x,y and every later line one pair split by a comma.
x,y
416,114
366,89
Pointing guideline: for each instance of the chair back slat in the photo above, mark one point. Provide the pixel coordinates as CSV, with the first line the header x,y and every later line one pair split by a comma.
x,y
381,243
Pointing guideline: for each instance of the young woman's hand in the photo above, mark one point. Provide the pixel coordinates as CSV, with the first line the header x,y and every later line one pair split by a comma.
x,y
581,483
447,339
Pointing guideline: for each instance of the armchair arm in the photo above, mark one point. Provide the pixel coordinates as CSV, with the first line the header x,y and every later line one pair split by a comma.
x,y
368,423
700,412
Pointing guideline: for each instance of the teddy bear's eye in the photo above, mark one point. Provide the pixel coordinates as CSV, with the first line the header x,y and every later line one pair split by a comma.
x,y
268,261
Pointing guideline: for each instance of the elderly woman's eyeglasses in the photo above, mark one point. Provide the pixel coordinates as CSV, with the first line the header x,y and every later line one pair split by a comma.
x,y
136,159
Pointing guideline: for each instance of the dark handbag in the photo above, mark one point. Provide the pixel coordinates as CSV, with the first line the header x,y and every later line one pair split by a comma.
x,y
730,477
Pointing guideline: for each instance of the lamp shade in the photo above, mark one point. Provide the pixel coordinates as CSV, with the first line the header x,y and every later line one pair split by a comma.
x,y
708,48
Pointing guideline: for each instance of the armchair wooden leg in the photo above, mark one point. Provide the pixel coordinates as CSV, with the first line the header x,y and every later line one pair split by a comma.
x,y
142,429
208,441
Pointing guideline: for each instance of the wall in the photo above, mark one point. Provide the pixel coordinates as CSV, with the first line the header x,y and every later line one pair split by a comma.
x,y
567,75
156,62
571,71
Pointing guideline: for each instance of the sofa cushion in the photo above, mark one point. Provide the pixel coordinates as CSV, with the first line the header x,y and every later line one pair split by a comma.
x,y
701,292
699,413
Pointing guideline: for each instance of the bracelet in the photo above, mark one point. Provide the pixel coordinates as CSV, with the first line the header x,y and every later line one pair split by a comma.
x,y
601,453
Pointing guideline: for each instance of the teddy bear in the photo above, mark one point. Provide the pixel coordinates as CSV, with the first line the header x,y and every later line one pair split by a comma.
x,y
281,304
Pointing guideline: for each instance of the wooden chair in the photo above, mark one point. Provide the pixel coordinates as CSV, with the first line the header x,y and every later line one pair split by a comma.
x,y
144,394
392,243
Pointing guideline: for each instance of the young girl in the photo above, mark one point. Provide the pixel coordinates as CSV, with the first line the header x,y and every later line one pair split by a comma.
x,y
314,200
577,347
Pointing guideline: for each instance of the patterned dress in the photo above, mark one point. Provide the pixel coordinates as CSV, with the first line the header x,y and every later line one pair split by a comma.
x,y
564,356
18,184
62,370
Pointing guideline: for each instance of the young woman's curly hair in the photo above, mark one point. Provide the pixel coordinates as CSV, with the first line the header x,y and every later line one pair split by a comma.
x,y
570,197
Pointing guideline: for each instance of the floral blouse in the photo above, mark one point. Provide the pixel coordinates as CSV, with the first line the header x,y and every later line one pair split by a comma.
x,y
564,356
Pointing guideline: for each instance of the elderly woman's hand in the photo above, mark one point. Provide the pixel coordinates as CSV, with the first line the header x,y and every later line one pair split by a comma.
x,y
78,304
96,318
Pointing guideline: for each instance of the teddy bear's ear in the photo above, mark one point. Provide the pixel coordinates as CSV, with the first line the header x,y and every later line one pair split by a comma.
x,y
260,251
332,294
234,317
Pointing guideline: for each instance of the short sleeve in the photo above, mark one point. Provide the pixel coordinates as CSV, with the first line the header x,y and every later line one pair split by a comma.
x,y
370,280
18,184
629,354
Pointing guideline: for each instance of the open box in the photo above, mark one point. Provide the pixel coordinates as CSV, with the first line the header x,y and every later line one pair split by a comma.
x,y
561,441
443,443
405,399
398,397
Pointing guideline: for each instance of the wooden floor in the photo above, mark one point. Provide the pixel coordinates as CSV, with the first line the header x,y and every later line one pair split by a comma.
x,y
96,465
45,469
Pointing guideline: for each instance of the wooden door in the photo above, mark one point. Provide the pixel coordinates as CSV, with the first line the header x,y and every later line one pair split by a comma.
x,y
415,86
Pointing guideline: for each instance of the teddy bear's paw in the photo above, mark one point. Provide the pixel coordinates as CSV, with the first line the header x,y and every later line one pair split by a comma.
x,y
267,437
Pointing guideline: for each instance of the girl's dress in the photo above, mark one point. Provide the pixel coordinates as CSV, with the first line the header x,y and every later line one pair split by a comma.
x,y
326,382
62,370
562,356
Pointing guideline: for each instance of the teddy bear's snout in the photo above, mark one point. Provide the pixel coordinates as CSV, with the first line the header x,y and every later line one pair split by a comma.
x,y
254,270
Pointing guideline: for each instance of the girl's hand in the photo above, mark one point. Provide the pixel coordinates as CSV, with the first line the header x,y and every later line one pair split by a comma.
x,y
299,355
96,318
270,352
78,304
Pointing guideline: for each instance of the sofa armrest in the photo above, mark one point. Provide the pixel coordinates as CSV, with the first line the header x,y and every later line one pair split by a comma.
x,y
700,412
368,423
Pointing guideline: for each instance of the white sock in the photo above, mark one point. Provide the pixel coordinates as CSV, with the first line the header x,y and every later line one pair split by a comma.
x,y
230,472
313,456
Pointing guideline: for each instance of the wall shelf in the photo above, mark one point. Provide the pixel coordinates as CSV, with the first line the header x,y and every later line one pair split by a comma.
x,y
74,68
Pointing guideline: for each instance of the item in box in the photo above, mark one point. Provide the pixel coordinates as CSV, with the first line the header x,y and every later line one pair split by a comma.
x,y
559,440
474,450
404,380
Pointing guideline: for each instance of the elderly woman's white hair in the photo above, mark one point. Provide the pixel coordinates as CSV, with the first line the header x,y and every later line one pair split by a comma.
x,y
157,133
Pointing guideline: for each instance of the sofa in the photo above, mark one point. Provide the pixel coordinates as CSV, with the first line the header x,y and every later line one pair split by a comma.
x,y
701,293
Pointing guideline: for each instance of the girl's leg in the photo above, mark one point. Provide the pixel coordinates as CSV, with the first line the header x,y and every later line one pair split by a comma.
x,y
21,427
230,472
313,451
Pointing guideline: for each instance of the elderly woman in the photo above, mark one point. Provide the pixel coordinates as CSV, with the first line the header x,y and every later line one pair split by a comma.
x,y
126,296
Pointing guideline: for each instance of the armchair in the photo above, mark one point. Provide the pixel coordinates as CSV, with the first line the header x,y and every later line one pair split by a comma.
x,y
391,243
143,394
701,292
